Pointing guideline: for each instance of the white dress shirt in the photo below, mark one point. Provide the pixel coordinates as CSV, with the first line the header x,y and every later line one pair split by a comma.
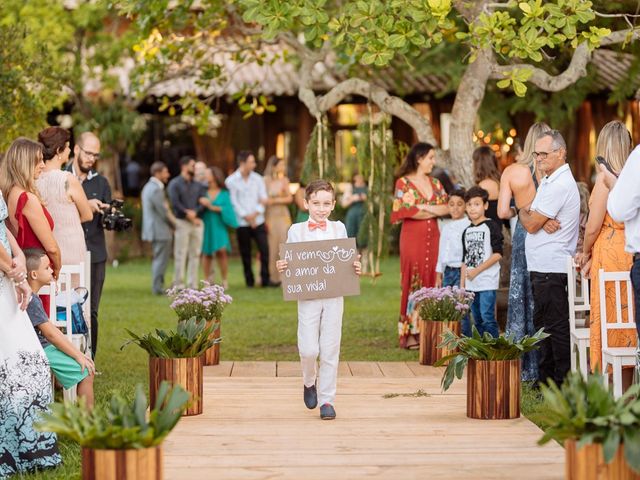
x,y
557,197
624,201
300,232
246,194
450,249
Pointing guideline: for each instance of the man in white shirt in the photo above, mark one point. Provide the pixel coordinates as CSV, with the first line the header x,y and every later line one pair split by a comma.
x,y
557,198
624,206
249,197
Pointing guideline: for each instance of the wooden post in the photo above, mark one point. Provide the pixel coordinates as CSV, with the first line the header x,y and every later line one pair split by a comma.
x,y
431,336
587,463
493,389
186,372
212,354
132,464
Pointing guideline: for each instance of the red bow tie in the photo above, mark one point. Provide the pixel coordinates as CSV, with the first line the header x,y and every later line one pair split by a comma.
x,y
321,225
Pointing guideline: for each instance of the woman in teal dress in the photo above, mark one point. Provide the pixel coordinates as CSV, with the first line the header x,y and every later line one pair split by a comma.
x,y
355,203
217,217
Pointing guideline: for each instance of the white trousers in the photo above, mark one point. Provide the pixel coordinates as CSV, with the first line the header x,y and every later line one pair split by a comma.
x,y
186,252
319,333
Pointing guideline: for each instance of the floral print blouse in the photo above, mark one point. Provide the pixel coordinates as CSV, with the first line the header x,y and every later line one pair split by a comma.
x,y
407,197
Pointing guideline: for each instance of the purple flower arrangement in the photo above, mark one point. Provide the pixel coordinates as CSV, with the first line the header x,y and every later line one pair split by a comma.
x,y
446,304
206,303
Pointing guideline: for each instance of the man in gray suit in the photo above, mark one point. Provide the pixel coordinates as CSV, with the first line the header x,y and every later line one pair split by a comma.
x,y
157,223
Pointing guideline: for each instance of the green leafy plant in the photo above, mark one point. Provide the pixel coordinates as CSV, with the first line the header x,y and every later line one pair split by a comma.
x,y
118,424
482,347
586,411
191,339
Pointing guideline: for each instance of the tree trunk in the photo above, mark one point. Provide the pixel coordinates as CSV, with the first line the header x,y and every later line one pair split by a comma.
x,y
463,117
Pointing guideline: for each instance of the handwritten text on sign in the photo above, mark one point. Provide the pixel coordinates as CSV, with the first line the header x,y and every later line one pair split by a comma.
x,y
320,269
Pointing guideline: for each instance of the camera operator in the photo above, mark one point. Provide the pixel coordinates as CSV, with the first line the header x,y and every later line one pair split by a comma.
x,y
85,154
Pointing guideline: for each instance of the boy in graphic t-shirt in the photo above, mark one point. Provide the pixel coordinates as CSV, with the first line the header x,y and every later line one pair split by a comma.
x,y
480,271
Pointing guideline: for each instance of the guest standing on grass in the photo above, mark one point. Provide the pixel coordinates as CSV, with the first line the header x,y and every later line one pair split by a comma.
x,y
419,199
487,175
623,205
25,380
319,321
29,219
249,197
218,217
157,224
184,194
277,216
450,249
557,198
518,186
63,195
86,153
603,246
481,253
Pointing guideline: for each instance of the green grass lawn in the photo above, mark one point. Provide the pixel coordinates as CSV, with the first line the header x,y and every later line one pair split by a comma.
x,y
259,325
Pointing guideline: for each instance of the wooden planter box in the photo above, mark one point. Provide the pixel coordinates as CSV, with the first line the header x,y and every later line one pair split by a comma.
x,y
186,372
431,336
588,463
212,355
493,389
138,464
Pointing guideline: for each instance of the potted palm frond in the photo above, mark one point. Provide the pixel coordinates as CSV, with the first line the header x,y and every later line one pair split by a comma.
x,y
601,435
119,440
439,310
493,373
178,358
206,303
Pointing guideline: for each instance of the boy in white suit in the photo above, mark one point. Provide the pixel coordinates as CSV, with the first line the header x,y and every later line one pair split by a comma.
x,y
319,321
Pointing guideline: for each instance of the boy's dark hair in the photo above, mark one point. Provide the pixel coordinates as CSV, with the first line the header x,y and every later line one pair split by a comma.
x,y
475,192
458,192
317,186
243,155
185,160
32,257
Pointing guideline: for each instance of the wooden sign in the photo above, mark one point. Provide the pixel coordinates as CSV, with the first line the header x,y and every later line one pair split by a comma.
x,y
320,269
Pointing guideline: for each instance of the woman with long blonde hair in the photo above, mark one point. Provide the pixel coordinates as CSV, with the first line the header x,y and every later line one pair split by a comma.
x,y
29,221
603,246
277,216
518,186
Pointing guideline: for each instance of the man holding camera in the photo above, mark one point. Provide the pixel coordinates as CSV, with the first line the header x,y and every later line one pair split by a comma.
x,y
85,154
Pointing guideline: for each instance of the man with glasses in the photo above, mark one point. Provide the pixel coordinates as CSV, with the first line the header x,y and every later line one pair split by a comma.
x,y
85,154
557,199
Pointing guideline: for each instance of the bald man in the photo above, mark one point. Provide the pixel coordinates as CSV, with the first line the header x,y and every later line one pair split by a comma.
x,y
86,153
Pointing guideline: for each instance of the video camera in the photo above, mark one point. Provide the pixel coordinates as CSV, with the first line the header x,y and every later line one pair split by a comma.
x,y
114,219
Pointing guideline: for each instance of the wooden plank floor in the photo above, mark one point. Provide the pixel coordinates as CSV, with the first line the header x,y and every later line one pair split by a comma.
x,y
393,422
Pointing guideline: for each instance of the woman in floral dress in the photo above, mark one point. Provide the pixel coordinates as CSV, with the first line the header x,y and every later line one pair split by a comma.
x,y
419,199
25,379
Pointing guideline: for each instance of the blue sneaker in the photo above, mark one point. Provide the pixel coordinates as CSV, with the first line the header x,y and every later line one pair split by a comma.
x,y
310,397
327,412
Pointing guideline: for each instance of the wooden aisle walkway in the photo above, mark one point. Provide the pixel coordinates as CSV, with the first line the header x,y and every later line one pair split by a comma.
x,y
393,422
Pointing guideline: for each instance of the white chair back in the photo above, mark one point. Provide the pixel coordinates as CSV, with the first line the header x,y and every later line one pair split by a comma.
x,y
579,300
621,301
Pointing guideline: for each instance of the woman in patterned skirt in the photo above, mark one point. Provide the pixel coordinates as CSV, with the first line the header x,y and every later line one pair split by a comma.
x,y
419,199
518,186
25,380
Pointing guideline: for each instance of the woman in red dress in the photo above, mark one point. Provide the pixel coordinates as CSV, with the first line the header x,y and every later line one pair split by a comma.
x,y
29,221
419,199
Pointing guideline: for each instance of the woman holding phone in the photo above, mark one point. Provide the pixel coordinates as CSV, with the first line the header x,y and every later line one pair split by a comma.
x,y
604,242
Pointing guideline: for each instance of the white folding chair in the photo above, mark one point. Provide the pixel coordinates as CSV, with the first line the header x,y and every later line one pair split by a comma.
x,y
578,303
617,357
